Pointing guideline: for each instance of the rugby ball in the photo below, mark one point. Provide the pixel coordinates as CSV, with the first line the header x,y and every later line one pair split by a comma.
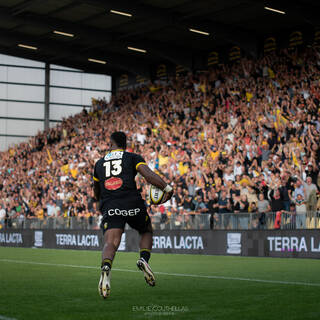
x,y
155,195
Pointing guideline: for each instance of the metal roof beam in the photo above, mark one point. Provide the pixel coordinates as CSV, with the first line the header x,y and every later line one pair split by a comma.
x,y
48,22
55,51
21,7
96,36
94,68
165,17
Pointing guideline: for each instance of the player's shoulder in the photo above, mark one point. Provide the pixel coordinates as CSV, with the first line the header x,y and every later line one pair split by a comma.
x,y
99,161
131,154
134,156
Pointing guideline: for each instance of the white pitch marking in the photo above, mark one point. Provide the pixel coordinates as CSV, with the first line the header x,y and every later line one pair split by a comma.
x,y
171,274
6,318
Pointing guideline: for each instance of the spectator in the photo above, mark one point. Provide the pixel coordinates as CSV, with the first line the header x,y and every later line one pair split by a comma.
x,y
179,197
244,208
254,216
252,196
309,187
224,207
285,194
237,171
51,209
263,204
192,187
187,201
299,189
291,217
213,207
301,211
3,214
276,202
223,202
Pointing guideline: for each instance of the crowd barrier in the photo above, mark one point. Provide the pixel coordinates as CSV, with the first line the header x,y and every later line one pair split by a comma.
x,y
190,221
257,243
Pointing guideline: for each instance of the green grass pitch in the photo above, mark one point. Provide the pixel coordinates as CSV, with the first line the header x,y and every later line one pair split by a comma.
x,y
62,284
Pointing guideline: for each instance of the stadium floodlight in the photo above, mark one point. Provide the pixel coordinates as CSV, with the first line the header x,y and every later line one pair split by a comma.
x,y
137,49
27,47
275,10
66,34
97,61
121,13
199,31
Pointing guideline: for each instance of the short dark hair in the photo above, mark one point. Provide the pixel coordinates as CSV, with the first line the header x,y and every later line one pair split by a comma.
x,y
120,139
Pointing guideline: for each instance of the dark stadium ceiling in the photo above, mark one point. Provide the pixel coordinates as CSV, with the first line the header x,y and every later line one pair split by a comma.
x,y
161,27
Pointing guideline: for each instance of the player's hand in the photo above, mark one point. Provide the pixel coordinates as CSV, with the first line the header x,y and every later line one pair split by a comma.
x,y
167,196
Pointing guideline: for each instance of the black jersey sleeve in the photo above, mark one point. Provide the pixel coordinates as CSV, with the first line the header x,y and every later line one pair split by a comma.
x,y
138,160
95,173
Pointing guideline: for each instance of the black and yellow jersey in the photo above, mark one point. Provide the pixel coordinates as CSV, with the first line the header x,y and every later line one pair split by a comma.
x,y
115,173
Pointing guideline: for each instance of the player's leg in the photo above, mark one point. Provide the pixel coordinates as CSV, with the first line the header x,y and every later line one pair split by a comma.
x,y
142,223
145,244
112,238
145,253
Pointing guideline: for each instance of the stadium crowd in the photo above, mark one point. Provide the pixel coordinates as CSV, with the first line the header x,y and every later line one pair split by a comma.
x,y
238,138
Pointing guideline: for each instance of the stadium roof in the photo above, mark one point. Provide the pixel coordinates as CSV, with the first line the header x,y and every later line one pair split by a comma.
x,y
69,32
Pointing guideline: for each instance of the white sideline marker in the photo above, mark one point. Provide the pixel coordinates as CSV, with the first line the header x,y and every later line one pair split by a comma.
x,y
298,283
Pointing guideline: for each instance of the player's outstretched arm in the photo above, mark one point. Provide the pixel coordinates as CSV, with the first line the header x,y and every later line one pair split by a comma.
x,y
151,176
154,179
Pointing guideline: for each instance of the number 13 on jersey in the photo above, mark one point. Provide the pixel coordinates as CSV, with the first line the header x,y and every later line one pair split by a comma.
x,y
113,167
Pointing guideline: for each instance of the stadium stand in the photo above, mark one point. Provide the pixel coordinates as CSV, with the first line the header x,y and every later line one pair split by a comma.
x,y
240,138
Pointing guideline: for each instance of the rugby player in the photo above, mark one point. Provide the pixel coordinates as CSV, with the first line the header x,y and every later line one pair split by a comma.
x,y
121,203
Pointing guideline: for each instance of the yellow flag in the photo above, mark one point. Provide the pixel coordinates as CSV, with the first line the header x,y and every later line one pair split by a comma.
x,y
278,115
202,87
49,160
74,173
173,154
163,160
284,120
249,96
65,169
182,168
214,155
294,159
271,73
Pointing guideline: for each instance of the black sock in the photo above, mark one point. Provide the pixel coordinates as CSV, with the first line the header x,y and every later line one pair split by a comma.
x,y
145,254
106,262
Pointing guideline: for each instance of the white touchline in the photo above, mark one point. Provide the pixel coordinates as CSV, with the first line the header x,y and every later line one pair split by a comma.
x,y
6,318
170,274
